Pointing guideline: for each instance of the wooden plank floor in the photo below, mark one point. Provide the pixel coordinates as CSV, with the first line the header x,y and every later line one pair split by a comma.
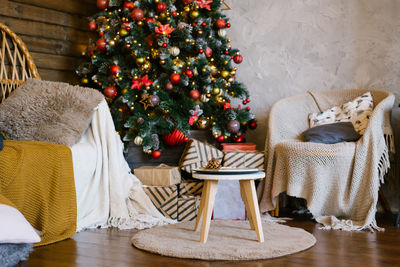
x,y
102,247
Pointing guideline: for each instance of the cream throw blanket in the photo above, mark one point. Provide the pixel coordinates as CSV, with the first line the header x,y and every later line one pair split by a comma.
x,y
338,181
108,194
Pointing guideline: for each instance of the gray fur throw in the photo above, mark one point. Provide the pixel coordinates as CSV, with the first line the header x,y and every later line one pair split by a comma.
x,y
46,111
12,254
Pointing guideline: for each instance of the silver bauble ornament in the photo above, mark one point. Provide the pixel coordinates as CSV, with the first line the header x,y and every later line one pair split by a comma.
x,y
138,140
221,33
175,51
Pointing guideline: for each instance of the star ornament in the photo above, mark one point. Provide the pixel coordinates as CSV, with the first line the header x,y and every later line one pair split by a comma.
x,y
145,101
164,30
205,4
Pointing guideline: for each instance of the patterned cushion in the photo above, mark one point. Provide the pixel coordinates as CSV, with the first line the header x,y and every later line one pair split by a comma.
x,y
356,111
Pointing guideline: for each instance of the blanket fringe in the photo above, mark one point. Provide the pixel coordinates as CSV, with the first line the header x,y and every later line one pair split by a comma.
x,y
384,162
333,223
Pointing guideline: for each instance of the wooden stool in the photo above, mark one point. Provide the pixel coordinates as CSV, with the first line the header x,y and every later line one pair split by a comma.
x,y
247,191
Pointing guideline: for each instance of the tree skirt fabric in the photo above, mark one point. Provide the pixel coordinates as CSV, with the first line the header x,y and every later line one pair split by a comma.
x,y
227,240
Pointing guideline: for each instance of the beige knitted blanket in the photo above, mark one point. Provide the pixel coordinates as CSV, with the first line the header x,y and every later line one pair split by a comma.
x,y
341,181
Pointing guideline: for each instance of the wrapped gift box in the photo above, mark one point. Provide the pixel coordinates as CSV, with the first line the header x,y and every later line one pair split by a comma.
x,y
228,203
197,155
244,159
162,175
165,199
191,188
187,208
238,147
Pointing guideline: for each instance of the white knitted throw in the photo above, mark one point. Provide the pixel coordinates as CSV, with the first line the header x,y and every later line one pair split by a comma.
x,y
341,181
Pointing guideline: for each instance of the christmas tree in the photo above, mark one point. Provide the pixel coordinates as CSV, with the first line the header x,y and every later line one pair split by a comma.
x,y
166,67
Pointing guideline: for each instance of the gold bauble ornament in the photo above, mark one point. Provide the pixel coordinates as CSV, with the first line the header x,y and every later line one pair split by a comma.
x,y
225,74
85,80
140,23
202,123
187,40
216,91
179,63
216,133
200,32
138,140
231,80
194,14
146,67
149,152
163,16
123,32
162,62
140,60
208,95
124,91
111,42
186,8
107,27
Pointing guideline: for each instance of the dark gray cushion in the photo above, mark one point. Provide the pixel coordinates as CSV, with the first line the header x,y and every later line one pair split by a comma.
x,y
332,133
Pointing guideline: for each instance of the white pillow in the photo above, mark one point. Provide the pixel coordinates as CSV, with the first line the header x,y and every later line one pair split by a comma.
x,y
357,111
14,228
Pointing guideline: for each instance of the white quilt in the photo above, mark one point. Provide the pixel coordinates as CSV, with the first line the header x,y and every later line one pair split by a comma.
x,y
108,194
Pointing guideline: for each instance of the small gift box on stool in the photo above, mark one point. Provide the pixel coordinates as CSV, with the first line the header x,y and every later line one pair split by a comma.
x,y
187,208
244,159
197,155
164,198
162,175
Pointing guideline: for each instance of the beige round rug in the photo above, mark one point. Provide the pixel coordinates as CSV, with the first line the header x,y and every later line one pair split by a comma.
x,y
227,240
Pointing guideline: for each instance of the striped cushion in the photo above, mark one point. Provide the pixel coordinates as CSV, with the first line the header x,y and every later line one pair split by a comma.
x,y
244,160
164,198
197,155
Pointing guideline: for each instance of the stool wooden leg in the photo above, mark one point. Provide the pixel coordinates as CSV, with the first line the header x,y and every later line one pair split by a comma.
x,y
246,204
208,208
277,207
201,207
251,196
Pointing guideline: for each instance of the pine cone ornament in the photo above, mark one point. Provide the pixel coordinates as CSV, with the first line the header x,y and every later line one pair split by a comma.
x,y
213,164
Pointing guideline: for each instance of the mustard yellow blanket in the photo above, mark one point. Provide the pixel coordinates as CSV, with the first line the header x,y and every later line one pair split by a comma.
x,y
37,179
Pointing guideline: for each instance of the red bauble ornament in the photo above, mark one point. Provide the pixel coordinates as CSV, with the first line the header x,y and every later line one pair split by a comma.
x,y
204,24
175,78
174,13
221,23
137,14
244,102
101,34
176,138
252,124
239,139
129,5
201,51
233,126
164,45
208,52
102,3
92,26
228,25
101,44
115,69
238,59
161,7
156,154
194,94
248,108
189,73
221,139
248,100
110,92
226,52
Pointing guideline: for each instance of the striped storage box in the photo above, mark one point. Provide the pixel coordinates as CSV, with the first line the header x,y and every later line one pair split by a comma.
x,y
187,208
165,199
191,188
243,159
197,155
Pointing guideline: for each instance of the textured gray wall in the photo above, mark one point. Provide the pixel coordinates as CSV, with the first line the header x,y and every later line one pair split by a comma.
x,y
292,46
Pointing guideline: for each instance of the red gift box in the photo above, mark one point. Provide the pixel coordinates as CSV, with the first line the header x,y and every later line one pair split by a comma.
x,y
239,147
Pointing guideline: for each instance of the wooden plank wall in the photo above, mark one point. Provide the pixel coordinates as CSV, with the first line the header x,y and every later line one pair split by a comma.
x,y
55,32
